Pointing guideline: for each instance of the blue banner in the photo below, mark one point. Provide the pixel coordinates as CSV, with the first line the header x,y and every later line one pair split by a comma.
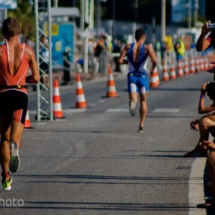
x,y
63,40
180,9
8,4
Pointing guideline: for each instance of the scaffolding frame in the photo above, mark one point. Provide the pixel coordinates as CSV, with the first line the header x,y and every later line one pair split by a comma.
x,y
44,93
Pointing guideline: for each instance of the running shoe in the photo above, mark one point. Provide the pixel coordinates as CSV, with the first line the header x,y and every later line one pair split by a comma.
x,y
141,129
6,183
14,157
132,107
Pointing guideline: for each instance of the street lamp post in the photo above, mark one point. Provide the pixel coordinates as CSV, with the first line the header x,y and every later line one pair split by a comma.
x,y
56,3
99,15
196,13
82,14
134,24
189,14
163,18
86,32
114,17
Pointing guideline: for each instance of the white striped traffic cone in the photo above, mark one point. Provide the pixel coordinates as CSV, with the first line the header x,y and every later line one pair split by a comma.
x,y
202,66
165,71
206,63
172,70
197,64
154,78
180,69
111,88
27,124
57,107
192,65
80,97
186,67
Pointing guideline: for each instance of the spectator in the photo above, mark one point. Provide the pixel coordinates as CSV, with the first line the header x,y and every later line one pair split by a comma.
x,y
29,42
206,125
179,49
67,65
157,48
206,40
44,63
117,49
100,46
110,44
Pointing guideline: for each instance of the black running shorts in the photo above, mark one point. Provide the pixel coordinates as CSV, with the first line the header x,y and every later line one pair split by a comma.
x,y
13,105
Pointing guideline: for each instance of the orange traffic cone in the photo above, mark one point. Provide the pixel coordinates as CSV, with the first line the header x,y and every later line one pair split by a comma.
x,y
154,78
186,67
27,121
192,66
202,66
206,63
57,107
111,89
80,97
180,69
172,71
197,64
165,72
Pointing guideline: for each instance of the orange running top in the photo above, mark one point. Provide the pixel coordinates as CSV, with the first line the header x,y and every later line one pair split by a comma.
x,y
20,75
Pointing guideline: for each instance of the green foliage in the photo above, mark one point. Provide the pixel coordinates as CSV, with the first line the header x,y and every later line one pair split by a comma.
x,y
142,2
200,19
25,15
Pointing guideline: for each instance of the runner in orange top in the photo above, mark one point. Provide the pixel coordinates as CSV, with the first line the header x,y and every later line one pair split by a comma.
x,y
15,59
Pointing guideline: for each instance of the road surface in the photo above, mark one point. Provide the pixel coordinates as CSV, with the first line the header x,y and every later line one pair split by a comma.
x,y
96,163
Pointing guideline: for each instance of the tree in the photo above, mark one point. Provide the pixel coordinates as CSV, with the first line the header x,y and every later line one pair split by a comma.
x,y
25,15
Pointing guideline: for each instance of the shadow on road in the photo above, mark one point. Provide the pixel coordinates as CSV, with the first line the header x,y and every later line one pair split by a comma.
x,y
174,89
104,206
102,177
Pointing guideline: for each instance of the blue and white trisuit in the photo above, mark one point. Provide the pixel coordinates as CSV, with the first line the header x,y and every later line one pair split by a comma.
x,y
137,76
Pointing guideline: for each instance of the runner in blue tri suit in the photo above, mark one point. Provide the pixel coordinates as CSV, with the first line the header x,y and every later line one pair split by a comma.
x,y
137,54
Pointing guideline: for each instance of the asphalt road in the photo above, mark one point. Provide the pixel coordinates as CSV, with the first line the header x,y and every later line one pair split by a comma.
x,y
96,163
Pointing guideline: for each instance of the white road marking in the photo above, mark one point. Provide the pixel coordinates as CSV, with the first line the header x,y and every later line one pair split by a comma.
x,y
101,101
41,123
92,105
196,186
60,120
117,110
166,110
78,110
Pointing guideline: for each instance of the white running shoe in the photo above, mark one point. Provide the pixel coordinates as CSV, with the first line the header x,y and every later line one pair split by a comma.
x,y
132,107
14,157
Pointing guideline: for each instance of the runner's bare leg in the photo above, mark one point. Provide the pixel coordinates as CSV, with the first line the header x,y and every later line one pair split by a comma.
x,y
5,144
143,109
